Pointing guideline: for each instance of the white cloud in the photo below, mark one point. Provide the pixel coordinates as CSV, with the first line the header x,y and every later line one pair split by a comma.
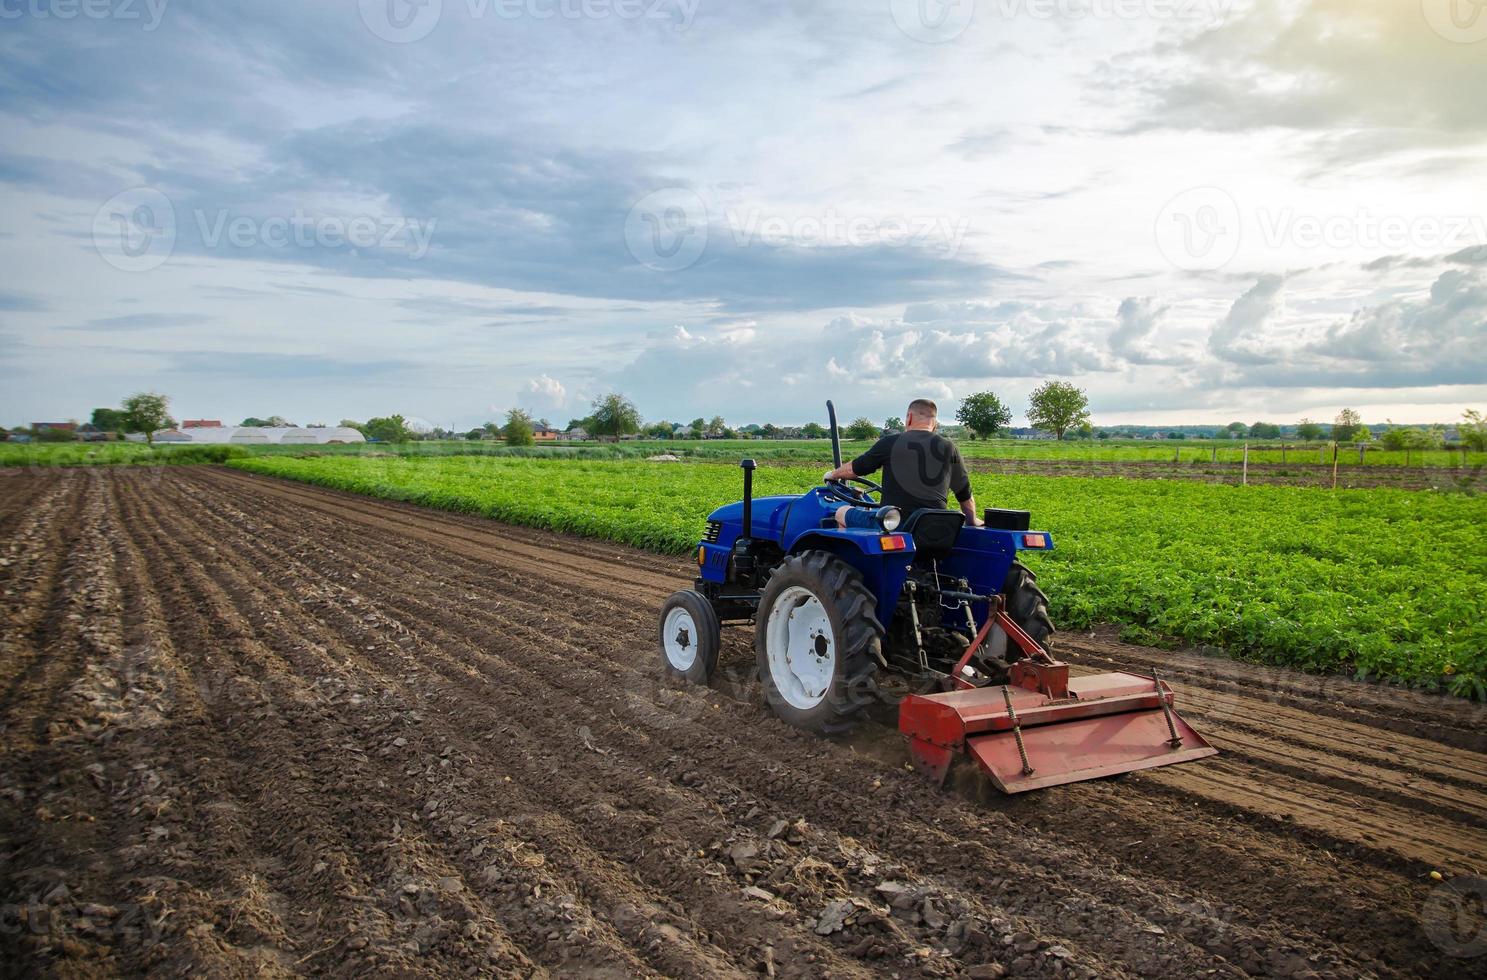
x,y
543,396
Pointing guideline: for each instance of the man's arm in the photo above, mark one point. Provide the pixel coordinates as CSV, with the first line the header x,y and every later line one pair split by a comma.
x,y
869,462
960,485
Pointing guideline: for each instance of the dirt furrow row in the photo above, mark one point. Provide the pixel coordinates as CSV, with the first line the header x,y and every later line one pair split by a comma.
x,y
1391,926
271,729
632,780
342,854
411,573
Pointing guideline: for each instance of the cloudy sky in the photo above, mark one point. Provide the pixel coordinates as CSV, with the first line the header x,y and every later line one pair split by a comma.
x,y
1198,210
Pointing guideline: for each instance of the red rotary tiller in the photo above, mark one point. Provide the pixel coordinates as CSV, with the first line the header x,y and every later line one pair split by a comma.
x,y
1045,727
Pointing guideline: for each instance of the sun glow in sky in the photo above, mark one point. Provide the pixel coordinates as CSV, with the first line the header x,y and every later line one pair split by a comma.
x,y
1198,210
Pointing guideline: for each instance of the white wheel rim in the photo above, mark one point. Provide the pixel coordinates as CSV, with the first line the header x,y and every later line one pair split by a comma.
x,y
679,638
801,648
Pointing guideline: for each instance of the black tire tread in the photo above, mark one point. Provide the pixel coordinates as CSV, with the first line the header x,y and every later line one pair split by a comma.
x,y
1028,605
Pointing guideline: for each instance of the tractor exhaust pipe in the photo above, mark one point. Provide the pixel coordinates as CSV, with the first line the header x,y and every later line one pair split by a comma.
x,y
748,498
836,438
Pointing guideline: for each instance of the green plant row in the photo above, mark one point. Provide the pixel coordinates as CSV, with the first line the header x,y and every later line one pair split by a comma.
x,y
113,454
1377,583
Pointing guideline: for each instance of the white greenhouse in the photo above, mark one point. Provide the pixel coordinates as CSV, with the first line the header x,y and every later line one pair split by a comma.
x,y
241,435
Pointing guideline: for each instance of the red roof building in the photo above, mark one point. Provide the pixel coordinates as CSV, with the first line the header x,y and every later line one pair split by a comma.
x,y
202,424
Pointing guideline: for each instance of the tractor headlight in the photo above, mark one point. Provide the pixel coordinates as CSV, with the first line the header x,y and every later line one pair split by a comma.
x,y
889,518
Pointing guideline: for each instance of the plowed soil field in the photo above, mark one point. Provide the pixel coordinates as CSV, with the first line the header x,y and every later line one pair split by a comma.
x,y
255,728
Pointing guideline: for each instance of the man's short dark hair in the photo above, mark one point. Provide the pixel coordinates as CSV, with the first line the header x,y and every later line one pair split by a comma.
x,y
924,408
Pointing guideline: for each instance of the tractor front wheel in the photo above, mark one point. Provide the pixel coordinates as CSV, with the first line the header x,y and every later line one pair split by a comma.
x,y
817,639
690,636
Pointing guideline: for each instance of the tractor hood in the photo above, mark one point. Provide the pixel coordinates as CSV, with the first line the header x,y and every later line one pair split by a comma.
x,y
769,516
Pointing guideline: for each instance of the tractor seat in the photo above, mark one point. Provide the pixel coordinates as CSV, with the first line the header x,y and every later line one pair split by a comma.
x,y
934,531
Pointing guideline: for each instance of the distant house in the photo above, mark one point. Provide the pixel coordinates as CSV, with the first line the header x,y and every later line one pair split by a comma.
x,y
41,428
202,424
545,433
576,434
88,432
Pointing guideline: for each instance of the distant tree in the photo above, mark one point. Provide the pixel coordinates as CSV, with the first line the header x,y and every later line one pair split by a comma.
x,y
1057,406
1309,431
109,419
769,430
518,428
1345,429
353,424
1473,429
1363,435
813,430
893,424
1395,438
280,422
698,428
1264,430
393,428
659,430
146,412
254,423
615,416
717,428
861,428
474,435
1237,429
1104,434
984,414
1179,434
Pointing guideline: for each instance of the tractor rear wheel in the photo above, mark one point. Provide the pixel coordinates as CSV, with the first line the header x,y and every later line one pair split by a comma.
x,y
690,636
1027,605
818,641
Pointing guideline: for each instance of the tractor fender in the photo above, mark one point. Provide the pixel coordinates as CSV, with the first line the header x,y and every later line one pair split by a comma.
x,y
883,571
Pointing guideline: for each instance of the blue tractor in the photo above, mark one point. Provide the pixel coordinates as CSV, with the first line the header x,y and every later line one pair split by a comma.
x,y
918,608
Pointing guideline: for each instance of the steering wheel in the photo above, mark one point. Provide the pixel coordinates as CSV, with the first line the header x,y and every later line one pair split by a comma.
x,y
852,495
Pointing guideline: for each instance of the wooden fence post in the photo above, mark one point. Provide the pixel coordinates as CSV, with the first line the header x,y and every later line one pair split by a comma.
x,y
1245,478
1334,466
1283,454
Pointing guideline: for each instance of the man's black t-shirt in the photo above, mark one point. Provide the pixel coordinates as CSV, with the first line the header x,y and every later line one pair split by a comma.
x,y
919,469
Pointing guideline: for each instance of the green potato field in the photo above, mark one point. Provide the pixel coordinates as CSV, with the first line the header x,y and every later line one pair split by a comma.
x,y
1379,583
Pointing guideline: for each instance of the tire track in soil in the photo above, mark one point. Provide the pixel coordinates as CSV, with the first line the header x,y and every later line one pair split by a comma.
x,y
415,573
460,636
1393,931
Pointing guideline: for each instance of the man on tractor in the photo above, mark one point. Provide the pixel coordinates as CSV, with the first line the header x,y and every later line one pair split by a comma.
x,y
920,467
